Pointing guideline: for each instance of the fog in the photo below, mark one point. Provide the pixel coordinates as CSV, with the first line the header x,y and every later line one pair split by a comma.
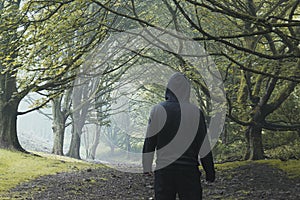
x,y
34,129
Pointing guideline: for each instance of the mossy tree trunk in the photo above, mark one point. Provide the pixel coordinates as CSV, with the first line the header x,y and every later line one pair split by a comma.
x,y
255,143
9,103
9,97
254,133
8,126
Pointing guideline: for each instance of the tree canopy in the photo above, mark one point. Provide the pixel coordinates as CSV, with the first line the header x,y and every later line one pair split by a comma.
x,y
254,44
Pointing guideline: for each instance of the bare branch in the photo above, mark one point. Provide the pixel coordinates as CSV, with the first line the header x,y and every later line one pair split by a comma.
x,y
35,108
218,39
279,127
241,66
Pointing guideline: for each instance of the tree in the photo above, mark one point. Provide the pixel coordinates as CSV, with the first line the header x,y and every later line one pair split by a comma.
x,y
34,44
95,80
265,35
256,44
103,103
61,106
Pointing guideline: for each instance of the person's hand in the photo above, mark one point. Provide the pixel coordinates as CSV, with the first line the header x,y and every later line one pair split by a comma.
x,y
210,178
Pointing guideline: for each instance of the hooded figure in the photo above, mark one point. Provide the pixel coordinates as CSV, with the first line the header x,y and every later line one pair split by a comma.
x,y
176,131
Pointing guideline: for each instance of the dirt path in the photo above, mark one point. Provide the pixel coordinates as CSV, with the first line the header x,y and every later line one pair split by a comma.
x,y
253,181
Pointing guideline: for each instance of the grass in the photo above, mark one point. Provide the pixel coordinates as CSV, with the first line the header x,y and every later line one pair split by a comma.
x,y
230,165
291,167
16,167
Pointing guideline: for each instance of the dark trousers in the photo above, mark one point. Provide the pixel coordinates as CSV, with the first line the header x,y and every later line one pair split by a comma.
x,y
184,181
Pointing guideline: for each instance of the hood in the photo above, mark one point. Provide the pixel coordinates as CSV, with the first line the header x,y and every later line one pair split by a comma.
x,y
178,88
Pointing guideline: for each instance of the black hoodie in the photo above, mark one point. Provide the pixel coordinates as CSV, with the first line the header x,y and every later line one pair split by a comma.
x,y
170,131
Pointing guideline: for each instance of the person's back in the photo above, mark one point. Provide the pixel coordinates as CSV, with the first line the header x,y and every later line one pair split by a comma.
x,y
176,131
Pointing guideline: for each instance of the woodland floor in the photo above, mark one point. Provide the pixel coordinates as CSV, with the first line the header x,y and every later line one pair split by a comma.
x,y
251,181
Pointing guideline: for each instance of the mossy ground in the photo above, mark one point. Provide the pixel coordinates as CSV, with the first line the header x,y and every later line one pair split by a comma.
x,y
269,179
291,167
16,167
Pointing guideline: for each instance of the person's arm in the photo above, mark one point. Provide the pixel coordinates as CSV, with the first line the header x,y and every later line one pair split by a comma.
x,y
207,161
208,166
149,146
148,153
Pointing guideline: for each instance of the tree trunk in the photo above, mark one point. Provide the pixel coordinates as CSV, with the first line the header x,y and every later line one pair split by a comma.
x,y
247,136
58,143
128,146
58,127
74,150
9,103
8,126
255,143
112,149
95,144
254,136
79,115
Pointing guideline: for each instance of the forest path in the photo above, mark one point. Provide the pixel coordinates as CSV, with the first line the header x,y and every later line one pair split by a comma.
x,y
251,181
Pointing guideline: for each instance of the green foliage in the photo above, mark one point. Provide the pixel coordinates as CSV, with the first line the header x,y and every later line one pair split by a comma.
x,y
289,111
284,145
229,152
57,39
42,42
274,139
231,145
285,152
